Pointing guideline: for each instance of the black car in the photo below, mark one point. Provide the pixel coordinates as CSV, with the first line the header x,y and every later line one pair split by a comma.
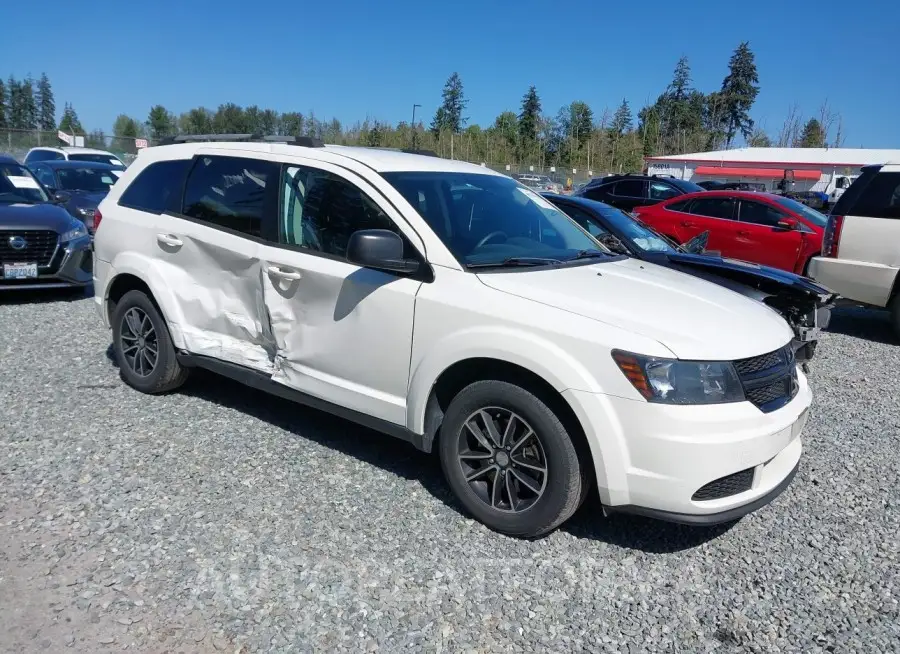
x,y
629,191
41,245
805,304
712,185
85,183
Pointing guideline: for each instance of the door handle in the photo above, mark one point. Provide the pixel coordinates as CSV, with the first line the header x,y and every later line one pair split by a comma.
x,y
168,239
291,275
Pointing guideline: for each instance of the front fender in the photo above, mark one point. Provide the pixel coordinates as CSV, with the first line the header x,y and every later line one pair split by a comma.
x,y
147,270
541,356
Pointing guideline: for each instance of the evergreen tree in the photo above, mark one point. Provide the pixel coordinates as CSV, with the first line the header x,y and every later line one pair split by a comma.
x,y
449,116
739,90
46,106
69,122
3,107
813,136
16,111
126,127
622,120
160,122
29,106
530,116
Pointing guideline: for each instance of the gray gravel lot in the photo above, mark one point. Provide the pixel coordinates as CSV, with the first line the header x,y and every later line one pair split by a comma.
x,y
219,519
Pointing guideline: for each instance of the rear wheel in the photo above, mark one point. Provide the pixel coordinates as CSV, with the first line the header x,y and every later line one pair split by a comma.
x,y
509,460
143,347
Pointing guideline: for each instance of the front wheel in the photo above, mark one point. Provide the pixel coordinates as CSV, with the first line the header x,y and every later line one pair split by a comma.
x,y
508,459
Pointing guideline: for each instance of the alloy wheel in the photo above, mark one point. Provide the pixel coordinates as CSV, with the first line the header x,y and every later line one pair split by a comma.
x,y
502,459
140,347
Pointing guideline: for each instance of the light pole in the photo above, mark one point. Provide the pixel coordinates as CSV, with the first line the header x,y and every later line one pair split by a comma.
x,y
414,126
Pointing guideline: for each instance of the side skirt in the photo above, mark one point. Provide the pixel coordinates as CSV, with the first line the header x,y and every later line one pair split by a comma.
x,y
263,382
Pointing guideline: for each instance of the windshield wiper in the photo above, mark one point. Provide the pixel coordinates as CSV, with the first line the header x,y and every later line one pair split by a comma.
x,y
590,254
511,262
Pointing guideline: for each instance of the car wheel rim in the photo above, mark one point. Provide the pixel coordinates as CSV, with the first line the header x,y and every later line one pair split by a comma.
x,y
140,347
502,459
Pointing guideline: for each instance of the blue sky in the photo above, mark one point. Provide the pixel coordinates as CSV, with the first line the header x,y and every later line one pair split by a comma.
x,y
363,58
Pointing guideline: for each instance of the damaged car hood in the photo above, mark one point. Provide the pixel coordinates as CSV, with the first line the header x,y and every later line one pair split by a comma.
x,y
693,318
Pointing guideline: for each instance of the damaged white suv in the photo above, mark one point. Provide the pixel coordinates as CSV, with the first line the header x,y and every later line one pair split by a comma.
x,y
452,307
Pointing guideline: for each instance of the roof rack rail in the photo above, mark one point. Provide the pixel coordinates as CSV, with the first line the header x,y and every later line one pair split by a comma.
x,y
303,141
426,153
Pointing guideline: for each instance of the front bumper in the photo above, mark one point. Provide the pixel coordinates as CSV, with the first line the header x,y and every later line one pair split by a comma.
x,y
73,270
861,281
653,459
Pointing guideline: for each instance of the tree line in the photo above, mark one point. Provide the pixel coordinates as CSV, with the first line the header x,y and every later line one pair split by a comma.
x,y
681,119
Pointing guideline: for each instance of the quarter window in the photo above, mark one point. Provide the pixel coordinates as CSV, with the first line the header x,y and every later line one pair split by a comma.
x,y
320,211
759,213
45,175
231,192
661,191
157,188
713,207
681,206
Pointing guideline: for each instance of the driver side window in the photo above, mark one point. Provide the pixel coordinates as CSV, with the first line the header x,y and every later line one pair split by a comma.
x,y
45,175
320,211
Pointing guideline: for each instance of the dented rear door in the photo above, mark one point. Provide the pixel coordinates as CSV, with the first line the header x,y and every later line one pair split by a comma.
x,y
210,256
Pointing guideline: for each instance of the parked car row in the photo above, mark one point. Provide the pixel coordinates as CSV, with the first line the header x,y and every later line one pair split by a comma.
x,y
453,307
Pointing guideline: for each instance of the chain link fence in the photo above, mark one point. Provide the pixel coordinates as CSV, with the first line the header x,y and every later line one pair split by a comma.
x,y
17,142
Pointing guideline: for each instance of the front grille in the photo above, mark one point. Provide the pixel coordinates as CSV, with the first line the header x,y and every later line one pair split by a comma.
x,y
769,380
726,486
39,246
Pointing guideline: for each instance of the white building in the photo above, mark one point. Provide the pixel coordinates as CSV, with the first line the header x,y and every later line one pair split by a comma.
x,y
815,169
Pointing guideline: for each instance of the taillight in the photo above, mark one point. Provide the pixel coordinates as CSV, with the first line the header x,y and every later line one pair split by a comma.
x,y
832,238
97,218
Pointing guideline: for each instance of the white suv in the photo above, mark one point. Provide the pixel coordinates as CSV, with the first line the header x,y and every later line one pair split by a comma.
x,y
861,246
71,154
454,308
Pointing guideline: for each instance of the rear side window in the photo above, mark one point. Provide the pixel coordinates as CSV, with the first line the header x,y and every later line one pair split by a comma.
x,y
713,207
157,188
598,193
845,204
662,191
759,213
879,199
681,205
43,155
232,192
630,188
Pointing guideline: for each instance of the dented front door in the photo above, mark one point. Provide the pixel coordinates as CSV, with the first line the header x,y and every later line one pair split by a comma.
x,y
342,333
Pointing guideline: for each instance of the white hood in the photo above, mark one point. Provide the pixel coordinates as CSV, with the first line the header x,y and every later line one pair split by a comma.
x,y
693,318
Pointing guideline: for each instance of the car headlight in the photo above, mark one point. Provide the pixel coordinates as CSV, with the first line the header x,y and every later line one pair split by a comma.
x,y
671,381
77,231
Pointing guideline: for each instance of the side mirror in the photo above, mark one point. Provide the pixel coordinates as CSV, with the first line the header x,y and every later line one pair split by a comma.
x,y
60,197
787,223
380,249
612,243
697,245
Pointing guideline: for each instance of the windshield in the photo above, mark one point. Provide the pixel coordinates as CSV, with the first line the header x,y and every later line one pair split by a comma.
x,y
809,213
96,158
490,219
18,186
85,179
642,236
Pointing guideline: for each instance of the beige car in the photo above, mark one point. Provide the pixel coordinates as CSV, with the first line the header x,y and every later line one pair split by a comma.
x,y
861,248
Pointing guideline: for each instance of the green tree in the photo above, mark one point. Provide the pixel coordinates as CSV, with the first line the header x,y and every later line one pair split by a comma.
x,y
268,122
449,116
253,119
739,90
759,139
160,122
126,127
46,105
291,124
813,136
69,122
715,120
530,116
198,120
3,107
622,120
28,105
229,119
15,115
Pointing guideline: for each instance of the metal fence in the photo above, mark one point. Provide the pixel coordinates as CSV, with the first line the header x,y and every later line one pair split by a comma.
x,y
17,142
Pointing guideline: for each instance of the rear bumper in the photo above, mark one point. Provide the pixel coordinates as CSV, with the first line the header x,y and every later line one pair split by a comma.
x,y
861,281
75,271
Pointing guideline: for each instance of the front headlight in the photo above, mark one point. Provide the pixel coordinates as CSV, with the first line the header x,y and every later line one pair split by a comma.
x,y
76,232
671,381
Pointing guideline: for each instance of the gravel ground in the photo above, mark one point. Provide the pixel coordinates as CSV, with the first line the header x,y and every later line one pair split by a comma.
x,y
219,519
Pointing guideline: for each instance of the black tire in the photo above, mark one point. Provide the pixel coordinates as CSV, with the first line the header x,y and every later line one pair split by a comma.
x,y
562,482
166,374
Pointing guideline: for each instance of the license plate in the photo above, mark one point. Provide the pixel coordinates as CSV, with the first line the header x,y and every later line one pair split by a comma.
x,y
19,270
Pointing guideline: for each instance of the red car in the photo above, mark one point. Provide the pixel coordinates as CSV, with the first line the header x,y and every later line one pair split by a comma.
x,y
760,227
